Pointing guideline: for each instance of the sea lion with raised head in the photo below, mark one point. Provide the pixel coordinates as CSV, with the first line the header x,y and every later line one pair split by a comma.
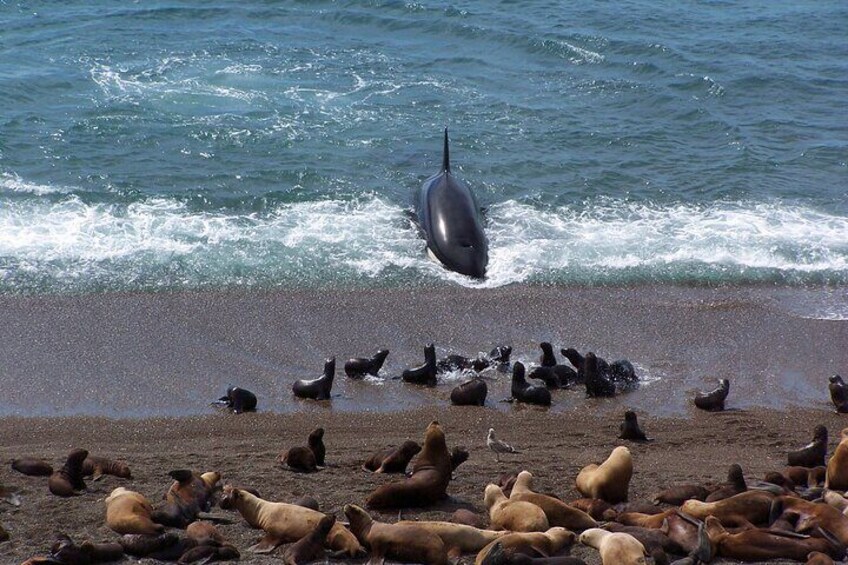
x,y
129,512
610,480
360,366
734,485
597,382
615,548
310,547
68,481
527,393
837,466
426,373
315,442
317,389
299,459
630,429
713,401
96,467
190,494
550,371
32,466
470,393
431,473
392,459
238,400
838,393
557,512
808,515
513,515
545,544
458,456
813,454
401,542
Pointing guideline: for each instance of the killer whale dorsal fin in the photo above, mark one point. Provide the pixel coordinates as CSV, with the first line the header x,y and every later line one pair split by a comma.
x,y
446,155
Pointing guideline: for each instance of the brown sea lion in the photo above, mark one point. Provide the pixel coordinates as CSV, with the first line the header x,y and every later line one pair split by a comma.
x,y
808,515
99,466
642,520
513,515
189,495
315,442
128,512
818,558
205,533
806,477
65,551
610,480
299,459
470,393
305,501
401,542
469,518
812,454
630,429
169,546
558,512
678,494
734,485
310,547
837,467
458,538
32,467
743,509
713,401
67,481
651,538
392,459
761,545
545,544
498,555
283,522
320,388
838,393
431,473
615,548
594,507
458,456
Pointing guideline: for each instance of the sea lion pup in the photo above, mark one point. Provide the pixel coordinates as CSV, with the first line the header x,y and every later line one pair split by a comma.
x,y
734,485
189,495
315,441
209,554
615,548
805,477
426,373
760,545
557,512
713,401
96,467
743,509
813,454
836,477
523,392
317,389
32,467
65,551
392,459
431,473
561,376
513,515
678,494
310,547
299,459
458,538
67,481
547,358
238,400
470,393
818,558
610,480
544,544
597,383
458,456
651,538
630,428
128,512
838,393
404,543
360,366
283,522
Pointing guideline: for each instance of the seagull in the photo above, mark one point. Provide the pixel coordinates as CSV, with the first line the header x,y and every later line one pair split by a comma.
x,y
498,446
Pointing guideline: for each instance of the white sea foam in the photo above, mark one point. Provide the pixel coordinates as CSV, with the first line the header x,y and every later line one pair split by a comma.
x,y
11,182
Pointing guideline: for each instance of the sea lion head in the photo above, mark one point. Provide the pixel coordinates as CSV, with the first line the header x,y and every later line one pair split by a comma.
x,y
735,476
230,497
547,348
820,434
501,354
560,537
359,519
325,525
410,448
316,435
630,416
523,482
492,495
836,380
458,456
518,373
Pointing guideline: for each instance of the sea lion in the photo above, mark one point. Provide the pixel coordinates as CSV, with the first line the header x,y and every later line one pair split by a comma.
x,y
315,442
651,538
431,473
610,480
818,558
837,466
622,371
189,495
454,362
310,547
458,538
32,467
734,485
762,545
305,501
547,543
299,459
402,542
644,520
805,477
713,401
129,512
458,456
205,533
392,459
239,400
426,373
597,382
808,515
630,428
812,454
283,522
317,389
557,512
67,481
552,373
547,358
209,554
469,518
523,392
498,555
360,366
678,494
595,507
500,355
65,551
470,393
615,548
99,466
838,393
513,515
750,507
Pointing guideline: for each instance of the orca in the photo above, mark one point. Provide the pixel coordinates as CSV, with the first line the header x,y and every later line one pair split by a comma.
x,y
449,217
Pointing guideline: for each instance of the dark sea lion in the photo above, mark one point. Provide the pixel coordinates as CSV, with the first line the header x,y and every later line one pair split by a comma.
x,y
299,459
470,393
780,480
239,400
454,362
498,555
630,428
426,373
431,473
713,401
523,392
678,494
311,546
651,538
836,477
500,355
622,371
813,454
306,502
360,366
32,467
317,389
68,481
838,393
190,494
99,466
547,358
597,382
66,552
762,545
315,442
734,485
406,543
203,554
392,459
169,546
458,456
546,375
595,507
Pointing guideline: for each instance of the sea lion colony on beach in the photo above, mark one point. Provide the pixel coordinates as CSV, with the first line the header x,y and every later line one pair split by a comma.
x,y
747,520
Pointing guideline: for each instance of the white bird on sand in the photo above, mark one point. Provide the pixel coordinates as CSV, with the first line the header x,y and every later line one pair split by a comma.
x,y
498,446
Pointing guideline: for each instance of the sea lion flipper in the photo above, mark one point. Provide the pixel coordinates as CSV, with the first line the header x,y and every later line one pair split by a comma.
x,y
267,544
540,550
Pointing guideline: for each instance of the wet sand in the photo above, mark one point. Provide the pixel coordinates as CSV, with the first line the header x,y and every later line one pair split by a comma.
x,y
244,449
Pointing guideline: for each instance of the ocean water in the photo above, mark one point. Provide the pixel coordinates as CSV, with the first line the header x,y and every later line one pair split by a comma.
x,y
184,145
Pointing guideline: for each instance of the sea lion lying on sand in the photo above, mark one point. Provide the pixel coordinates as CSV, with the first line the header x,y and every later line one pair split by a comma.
x,y
96,467
392,459
129,512
513,515
402,542
545,544
67,481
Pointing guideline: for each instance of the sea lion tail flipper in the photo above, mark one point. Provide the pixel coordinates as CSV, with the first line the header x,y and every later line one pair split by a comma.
x,y
267,544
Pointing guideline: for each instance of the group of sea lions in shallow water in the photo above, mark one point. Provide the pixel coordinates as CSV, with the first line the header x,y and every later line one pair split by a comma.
x,y
799,513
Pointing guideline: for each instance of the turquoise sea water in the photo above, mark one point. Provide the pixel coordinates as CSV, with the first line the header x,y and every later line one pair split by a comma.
x,y
169,145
